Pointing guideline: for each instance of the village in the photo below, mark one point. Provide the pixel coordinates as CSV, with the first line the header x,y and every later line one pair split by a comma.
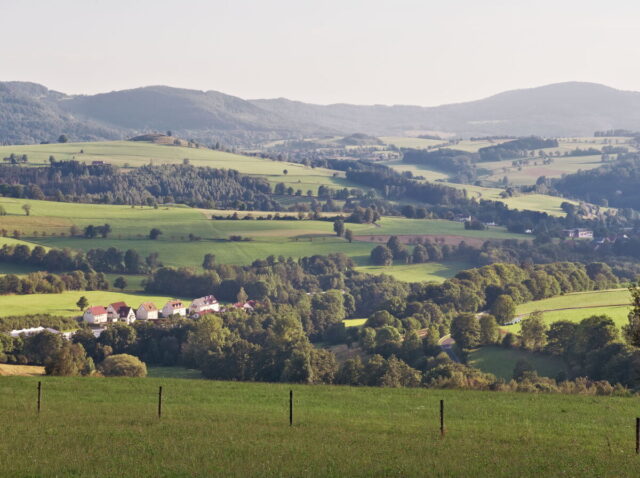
x,y
121,312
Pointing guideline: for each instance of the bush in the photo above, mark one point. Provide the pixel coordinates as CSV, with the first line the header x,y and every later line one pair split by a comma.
x,y
123,365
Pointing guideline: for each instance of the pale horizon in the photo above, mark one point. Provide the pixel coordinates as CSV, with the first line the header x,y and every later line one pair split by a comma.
x,y
400,53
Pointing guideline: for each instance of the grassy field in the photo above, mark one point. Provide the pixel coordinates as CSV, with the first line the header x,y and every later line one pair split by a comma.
x,y
130,227
578,306
430,271
241,429
138,153
533,202
500,361
64,304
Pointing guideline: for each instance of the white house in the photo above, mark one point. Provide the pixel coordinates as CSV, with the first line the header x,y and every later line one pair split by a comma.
x,y
173,307
113,311
31,331
147,311
204,304
127,315
95,315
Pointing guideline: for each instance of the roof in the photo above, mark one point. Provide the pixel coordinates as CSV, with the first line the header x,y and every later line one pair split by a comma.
x,y
97,310
150,306
174,304
206,300
31,331
118,305
125,311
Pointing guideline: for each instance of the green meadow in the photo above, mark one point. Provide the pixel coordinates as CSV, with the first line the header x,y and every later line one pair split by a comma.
x,y
578,306
97,427
64,304
140,153
501,361
430,271
49,224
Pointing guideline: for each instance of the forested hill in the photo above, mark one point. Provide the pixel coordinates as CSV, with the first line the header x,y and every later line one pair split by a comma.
x,y
30,113
614,185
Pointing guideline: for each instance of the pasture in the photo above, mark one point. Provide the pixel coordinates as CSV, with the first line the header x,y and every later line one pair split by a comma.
x,y
64,304
139,153
211,428
429,271
532,202
131,226
578,306
501,361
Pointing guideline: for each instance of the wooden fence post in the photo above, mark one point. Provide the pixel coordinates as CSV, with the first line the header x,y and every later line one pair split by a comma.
x,y
160,402
290,408
39,395
442,418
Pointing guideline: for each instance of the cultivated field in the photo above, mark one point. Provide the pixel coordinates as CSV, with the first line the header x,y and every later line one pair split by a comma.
x,y
241,429
578,306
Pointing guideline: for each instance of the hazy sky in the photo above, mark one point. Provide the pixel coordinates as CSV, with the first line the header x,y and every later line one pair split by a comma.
x,y
390,52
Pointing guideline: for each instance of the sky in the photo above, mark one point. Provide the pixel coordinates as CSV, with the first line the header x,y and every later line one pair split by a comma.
x,y
420,52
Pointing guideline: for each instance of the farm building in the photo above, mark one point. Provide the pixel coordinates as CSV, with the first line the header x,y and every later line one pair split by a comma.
x,y
95,315
147,311
204,304
174,307
578,233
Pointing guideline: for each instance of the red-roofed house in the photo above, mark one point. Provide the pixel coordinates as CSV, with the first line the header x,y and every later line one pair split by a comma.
x,y
147,311
174,307
95,315
113,311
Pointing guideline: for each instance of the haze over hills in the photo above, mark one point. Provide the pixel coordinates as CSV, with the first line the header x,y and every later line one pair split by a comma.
x,y
31,113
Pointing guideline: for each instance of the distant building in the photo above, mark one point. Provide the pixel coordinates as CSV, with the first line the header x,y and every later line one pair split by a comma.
x,y
126,315
578,233
113,311
32,331
207,303
95,315
174,307
98,163
147,311
246,306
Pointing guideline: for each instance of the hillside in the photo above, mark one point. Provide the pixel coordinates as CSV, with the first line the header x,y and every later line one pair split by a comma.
x,y
32,113
241,429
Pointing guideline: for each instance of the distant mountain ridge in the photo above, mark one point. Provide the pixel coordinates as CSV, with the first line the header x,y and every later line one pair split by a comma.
x,y
31,113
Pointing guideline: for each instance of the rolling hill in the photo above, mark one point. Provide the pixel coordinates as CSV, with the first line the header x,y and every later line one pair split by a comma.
x,y
31,113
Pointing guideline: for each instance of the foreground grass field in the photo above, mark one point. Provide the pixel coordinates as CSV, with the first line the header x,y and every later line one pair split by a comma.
x,y
64,304
108,427
578,306
500,361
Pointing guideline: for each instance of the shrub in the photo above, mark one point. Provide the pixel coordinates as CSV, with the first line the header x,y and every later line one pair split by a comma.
x,y
123,365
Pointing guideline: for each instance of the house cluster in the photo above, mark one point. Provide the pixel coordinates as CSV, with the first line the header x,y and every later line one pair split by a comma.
x,y
121,312
578,233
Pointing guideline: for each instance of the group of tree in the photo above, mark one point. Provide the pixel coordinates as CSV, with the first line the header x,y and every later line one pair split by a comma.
x,y
110,260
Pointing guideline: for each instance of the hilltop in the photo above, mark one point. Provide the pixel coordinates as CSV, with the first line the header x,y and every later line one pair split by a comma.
x,y
32,113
